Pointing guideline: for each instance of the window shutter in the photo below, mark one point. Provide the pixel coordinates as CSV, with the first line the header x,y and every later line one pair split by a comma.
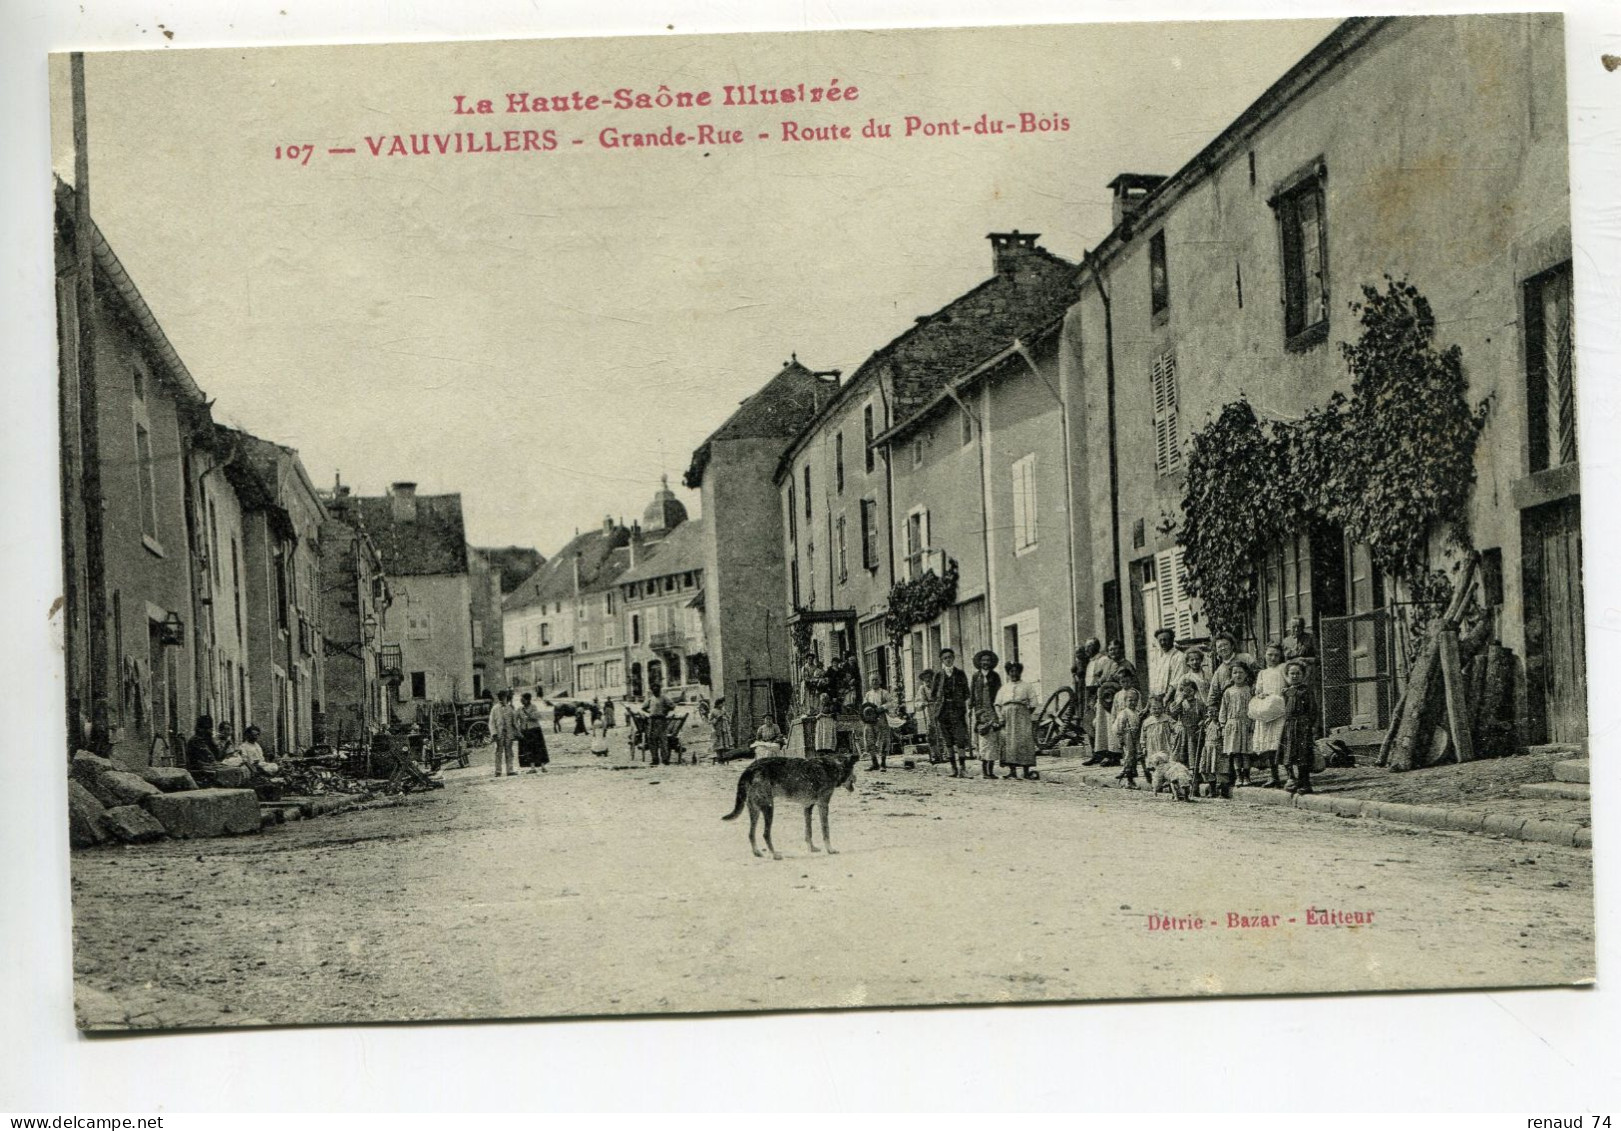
x,y
1030,499
1176,607
1021,535
1167,452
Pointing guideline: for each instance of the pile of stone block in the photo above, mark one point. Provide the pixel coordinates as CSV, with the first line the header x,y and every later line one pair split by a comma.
x,y
107,802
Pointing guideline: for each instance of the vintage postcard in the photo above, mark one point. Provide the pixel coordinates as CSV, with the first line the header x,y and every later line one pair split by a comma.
x,y
617,526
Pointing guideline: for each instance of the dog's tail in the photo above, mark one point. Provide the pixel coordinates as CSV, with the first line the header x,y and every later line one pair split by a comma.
x,y
742,793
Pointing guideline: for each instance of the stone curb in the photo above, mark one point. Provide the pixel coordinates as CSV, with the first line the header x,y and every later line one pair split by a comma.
x,y
1425,816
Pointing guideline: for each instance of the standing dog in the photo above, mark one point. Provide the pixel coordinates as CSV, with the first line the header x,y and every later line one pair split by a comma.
x,y
806,782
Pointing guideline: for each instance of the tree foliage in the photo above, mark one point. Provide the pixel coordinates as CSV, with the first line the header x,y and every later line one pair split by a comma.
x,y
919,601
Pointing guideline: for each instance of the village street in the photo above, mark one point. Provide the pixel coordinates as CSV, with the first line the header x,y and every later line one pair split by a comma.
x,y
591,889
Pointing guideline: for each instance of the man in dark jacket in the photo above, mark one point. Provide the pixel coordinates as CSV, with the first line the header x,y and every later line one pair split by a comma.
x,y
950,695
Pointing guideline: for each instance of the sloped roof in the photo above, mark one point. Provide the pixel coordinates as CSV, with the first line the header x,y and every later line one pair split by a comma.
x,y
778,410
681,550
433,543
514,563
554,580
1034,288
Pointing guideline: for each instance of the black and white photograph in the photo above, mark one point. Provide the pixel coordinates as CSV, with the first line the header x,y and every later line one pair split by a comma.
x,y
652,526
532,498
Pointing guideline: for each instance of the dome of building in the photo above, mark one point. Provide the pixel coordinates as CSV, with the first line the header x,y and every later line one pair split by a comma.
x,y
665,512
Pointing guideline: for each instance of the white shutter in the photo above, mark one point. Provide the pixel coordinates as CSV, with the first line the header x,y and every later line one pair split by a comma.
x,y
1176,607
1030,499
1021,537
1167,451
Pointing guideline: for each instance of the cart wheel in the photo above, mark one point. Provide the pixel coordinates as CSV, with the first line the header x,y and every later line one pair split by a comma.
x,y
1052,722
478,734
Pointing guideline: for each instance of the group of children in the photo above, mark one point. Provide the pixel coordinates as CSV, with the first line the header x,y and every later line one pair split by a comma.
x,y
1192,744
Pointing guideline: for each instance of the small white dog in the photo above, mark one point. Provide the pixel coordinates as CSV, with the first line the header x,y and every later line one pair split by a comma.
x,y
1168,773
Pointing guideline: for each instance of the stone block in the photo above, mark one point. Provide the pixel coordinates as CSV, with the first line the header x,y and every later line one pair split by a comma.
x,y
87,767
1430,816
1503,824
1466,820
1550,832
132,824
123,787
1584,838
87,817
232,777
205,812
1557,791
168,779
1575,770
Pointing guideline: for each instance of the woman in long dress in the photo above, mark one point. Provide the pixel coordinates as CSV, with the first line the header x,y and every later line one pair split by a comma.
x,y
1016,705
1268,733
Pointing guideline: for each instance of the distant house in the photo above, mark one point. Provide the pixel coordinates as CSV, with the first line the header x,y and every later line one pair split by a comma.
x,y
423,544
512,564
543,617
664,609
489,659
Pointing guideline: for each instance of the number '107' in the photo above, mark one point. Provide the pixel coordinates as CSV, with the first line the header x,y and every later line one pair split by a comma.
x,y
299,153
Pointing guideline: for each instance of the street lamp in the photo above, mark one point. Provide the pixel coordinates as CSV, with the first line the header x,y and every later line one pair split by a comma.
x,y
172,631
368,629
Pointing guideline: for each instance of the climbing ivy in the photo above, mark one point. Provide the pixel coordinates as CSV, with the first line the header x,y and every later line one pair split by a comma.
x,y
919,601
1391,464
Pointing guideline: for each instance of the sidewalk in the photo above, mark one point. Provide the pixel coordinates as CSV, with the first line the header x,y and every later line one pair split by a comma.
x,y
1477,797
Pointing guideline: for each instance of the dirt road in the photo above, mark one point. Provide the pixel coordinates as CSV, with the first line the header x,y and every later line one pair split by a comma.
x,y
600,889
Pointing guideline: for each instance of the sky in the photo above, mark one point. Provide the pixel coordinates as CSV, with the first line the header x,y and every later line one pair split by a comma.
x,y
547,332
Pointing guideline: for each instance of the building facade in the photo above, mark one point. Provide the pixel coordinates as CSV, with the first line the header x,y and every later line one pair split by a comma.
x,y
1232,280
355,601
423,545
562,605
663,597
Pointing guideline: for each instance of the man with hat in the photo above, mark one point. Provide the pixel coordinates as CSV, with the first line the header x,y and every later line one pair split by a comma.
x,y
1167,664
949,693
987,723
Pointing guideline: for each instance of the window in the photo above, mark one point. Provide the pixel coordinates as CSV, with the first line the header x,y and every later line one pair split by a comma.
x,y
586,677
545,634
419,685
669,584
478,634
838,462
138,383
608,603
1304,232
874,651
917,452
283,596
867,434
579,610
839,549
1024,504
1159,283
148,485
585,642
917,541
869,533
673,666
613,673
1285,584
793,581
793,515
418,624
636,628
1550,369
807,493
214,542
1167,447
689,579
236,588
967,425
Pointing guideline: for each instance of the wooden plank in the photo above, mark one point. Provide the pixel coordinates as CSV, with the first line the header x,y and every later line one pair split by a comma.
x,y
1457,697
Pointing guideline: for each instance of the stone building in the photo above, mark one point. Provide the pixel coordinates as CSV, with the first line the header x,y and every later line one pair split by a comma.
x,y
423,544
355,605
544,616
1430,149
282,516
897,475
744,568
664,598
152,430
489,650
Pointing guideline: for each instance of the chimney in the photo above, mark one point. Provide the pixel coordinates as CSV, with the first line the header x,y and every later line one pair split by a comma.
x,y
1009,248
608,526
1130,190
635,543
405,501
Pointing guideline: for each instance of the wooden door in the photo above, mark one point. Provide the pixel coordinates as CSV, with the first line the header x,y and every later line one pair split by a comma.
x,y
1555,632
1366,660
